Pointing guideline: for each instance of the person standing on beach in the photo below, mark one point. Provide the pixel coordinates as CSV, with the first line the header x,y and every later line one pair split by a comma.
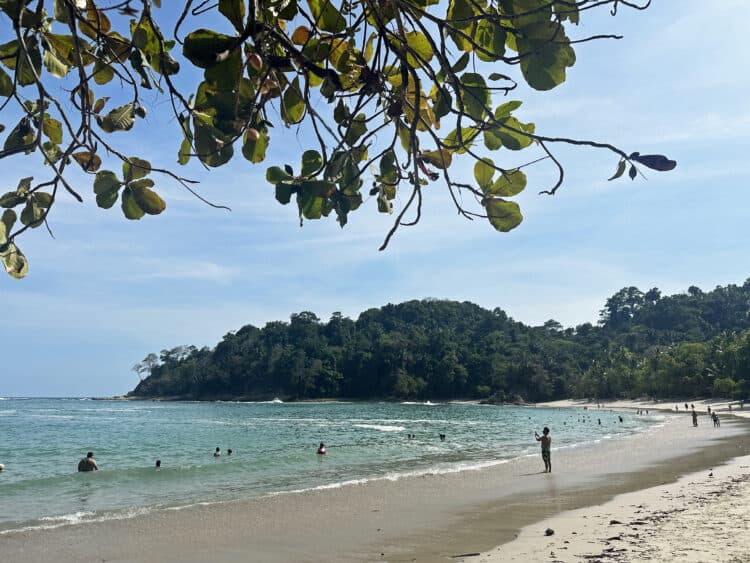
x,y
88,463
695,418
546,441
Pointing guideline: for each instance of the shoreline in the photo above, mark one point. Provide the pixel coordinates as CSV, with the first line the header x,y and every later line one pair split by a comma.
x,y
428,518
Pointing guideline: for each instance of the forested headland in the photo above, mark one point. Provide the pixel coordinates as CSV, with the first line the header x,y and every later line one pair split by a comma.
x,y
645,344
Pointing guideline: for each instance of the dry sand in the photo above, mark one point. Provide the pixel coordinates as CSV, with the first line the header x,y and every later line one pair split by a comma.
x,y
431,518
702,517
721,406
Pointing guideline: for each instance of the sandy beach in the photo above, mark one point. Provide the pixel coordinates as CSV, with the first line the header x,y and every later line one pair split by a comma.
x,y
428,518
702,517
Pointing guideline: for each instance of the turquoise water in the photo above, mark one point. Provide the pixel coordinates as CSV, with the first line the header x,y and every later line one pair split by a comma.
x,y
41,441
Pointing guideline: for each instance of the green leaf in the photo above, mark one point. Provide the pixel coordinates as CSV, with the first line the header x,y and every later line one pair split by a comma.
x,y
52,152
657,162
475,95
504,110
43,199
6,84
32,214
490,39
103,73
130,207
458,12
210,145
357,128
420,45
255,150
54,65
311,162
63,48
135,169
439,159
311,197
620,170
388,168
459,144
443,102
8,219
341,112
503,215
284,192
225,75
274,175
514,139
484,170
26,74
52,128
11,199
21,135
61,11
148,200
543,62
96,22
461,63
293,105
491,140
203,47
326,16
107,200
119,119
234,11
116,47
24,185
494,76
14,261
106,182
89,161
507,185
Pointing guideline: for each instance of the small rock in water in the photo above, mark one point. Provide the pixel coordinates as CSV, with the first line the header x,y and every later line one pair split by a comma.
x,y
549,532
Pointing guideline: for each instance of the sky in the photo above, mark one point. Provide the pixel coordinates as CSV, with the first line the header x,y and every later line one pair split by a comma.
x,y
106,291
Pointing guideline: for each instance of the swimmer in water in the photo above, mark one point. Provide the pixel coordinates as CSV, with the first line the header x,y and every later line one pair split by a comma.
x,y
217,453
321,449
88,463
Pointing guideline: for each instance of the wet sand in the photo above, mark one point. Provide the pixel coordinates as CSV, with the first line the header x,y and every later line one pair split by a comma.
x,y
430,518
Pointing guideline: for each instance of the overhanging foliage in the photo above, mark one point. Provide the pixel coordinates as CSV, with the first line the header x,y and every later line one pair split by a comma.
x,y
389,92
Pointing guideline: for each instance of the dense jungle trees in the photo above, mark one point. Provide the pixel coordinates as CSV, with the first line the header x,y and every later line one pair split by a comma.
x,y
693,343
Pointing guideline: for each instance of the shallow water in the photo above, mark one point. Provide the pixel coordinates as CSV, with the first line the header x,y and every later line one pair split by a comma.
x,y
41,441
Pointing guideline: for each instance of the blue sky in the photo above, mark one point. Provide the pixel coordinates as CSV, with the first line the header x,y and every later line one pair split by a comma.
x,y
106,291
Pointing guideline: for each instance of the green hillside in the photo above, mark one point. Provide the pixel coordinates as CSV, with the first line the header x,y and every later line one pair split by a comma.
x,y
693,343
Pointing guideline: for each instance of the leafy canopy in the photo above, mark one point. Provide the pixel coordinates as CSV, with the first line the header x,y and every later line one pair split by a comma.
x,y
389,92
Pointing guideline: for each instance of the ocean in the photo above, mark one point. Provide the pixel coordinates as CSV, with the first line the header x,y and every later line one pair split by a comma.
x,y
274,449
